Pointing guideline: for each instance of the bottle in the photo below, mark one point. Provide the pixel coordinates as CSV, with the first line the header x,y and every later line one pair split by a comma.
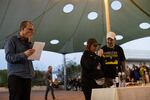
x,y
117,81
146,77
114,83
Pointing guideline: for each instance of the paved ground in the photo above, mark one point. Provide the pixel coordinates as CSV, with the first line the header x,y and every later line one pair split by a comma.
x,y
39,95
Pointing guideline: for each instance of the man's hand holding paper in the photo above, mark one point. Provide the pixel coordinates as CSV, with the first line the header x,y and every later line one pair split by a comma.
x,y
29,52
38,47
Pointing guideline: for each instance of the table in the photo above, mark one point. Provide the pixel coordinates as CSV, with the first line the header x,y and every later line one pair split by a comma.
x,y
122,93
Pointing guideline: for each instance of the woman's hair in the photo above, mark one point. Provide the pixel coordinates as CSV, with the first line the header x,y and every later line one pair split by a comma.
x,y
90,42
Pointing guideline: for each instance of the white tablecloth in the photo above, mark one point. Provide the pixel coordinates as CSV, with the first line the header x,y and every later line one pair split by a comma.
x,y
123,93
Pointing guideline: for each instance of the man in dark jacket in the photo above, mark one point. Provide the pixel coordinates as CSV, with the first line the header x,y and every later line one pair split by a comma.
x,y
20,69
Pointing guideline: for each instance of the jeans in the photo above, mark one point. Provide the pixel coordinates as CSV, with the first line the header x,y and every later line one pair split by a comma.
x,y
47,90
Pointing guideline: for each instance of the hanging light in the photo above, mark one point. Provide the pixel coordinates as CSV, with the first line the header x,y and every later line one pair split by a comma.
x,y
116,5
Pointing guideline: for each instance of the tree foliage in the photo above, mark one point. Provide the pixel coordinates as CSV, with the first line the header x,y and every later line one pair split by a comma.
x,y
3,78
72,70
37,80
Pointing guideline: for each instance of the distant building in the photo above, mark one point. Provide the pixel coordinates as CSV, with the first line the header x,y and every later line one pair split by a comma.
x,y
137,56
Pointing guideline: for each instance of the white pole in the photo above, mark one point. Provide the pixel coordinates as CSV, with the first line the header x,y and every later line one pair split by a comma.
x,y
107,15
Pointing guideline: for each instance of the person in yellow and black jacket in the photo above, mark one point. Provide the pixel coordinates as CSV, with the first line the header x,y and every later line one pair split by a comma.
x,y
113,59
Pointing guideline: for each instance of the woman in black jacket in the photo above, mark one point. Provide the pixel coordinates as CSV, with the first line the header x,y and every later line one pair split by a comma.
x,y
91,68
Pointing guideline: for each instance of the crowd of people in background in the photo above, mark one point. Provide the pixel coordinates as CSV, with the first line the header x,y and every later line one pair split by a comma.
x,y
138,73
74,84
134,73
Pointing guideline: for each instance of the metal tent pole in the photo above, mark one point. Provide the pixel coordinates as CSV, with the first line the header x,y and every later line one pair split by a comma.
x,y
65,78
